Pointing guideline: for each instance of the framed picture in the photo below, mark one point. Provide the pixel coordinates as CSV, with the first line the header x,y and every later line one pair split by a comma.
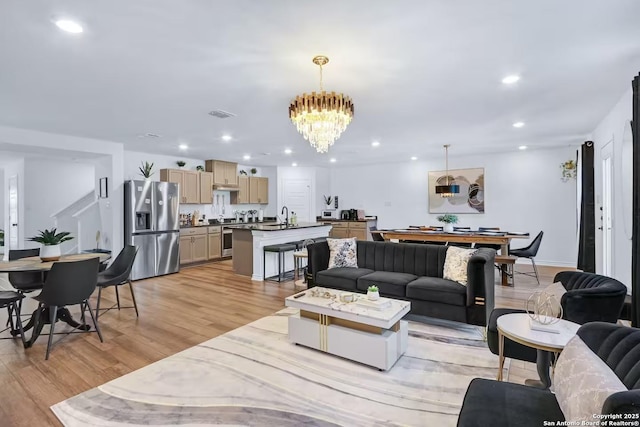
x,y
470,199
104,188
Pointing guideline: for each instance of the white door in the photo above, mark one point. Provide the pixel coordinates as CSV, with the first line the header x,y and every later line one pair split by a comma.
x,y
607,210
297,197
13,212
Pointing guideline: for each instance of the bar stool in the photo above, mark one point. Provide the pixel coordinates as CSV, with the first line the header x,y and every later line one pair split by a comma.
x,y
281,249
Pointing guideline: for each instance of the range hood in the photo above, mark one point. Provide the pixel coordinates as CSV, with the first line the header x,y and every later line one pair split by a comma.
x,y
226,187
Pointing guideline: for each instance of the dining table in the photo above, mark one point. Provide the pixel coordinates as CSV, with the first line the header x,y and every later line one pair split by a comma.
x,y
35,264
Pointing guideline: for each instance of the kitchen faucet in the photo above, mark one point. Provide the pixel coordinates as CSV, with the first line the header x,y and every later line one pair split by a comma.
x,y
286,221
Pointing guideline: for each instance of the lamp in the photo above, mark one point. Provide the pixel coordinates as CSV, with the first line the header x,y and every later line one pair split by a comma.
x,y
321,117
448,190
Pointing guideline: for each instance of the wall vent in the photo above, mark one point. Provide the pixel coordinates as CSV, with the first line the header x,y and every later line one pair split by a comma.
x,y
221,114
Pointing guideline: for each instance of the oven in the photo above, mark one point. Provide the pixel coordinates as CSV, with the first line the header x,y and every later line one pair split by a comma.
x,y
227,242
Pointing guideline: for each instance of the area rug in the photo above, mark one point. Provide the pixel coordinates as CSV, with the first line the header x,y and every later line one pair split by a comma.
x,y
254,376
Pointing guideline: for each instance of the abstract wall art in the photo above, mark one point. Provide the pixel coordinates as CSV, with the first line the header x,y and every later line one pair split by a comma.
x,y
470,199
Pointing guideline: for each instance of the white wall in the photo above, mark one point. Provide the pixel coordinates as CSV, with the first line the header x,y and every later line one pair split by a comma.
x,y
49,186
523,192
611,128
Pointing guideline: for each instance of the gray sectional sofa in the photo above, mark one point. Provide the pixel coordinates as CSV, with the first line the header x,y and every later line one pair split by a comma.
x,y
412,272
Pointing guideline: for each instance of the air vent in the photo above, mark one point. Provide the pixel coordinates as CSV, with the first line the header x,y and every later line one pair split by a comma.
x,y
221,114
150,135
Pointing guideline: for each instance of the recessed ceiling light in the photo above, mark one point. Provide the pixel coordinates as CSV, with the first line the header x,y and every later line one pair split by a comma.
x,y
414,158
183,146
375,144
226,137
69,26
332,160
294,164
511,79
518,124
288,151
246,157
522,147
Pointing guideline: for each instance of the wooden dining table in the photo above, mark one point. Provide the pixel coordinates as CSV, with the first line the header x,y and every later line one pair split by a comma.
x,y
35,265
491,238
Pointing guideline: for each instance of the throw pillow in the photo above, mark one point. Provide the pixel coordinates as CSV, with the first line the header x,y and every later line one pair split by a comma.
x,y
557,290
582,381
455,264
342,253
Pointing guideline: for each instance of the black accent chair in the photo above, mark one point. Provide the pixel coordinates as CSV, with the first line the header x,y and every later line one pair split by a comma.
x,y
590,298
12,300
116,275
68,283
25,282
377,237
503,404
530,252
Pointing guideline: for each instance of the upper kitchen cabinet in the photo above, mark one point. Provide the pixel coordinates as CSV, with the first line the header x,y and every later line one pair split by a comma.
x,y
242,195
254,190
195,187
224,173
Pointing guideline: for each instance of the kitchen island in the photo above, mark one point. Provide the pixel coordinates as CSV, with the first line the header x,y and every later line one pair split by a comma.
x,y
249,241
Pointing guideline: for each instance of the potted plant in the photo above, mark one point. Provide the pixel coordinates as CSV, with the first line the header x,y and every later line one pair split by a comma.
x,y
448,220
243,172
50,240
328,200
200,168
146,170
181,163
372,293
253,171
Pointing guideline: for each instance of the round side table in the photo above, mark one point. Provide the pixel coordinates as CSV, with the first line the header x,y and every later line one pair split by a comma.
x,y
298,256
516,327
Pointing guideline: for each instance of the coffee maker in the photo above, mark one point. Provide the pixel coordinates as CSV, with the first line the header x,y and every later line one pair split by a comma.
x,y
349,214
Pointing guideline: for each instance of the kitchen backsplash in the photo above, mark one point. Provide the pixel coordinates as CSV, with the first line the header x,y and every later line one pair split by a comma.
x,y
220,199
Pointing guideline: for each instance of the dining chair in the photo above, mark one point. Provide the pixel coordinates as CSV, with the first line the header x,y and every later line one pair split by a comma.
x,y
116,275
11,300
25,282
530,252
68,283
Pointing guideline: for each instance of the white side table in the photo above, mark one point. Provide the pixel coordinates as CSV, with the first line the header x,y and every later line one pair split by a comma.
x,y
516,327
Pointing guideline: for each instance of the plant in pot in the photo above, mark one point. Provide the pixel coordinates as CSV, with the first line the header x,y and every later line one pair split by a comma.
x,y
50,240
146,170
200,168
253,171
372,293
448,220
181,163
243,172
328,200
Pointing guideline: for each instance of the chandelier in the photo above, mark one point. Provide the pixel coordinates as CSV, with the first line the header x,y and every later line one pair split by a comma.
x,y
321,117
447,190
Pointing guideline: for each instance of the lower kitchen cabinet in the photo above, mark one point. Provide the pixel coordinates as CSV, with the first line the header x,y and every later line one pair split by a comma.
x,y
346,229
200,244
215,243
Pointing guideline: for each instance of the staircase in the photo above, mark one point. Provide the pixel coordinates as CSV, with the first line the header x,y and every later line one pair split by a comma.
x,y
82,219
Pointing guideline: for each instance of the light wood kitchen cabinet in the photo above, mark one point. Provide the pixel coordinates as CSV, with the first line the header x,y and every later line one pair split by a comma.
x,y
263,190
214,243
186,250
189,183
206,187
224,173
193,245
253,189
200,249
346,229
242,195
339,233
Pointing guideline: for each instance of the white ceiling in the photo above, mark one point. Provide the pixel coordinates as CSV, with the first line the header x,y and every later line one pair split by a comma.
x,y
421,73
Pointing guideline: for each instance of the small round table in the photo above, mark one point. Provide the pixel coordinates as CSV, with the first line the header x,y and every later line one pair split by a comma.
x,y
516,327
298,256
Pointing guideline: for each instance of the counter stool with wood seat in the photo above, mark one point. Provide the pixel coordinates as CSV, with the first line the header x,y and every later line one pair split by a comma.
x,y
281,249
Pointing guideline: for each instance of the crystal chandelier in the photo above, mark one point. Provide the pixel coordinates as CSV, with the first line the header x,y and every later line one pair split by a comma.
x,y
321,117
448,190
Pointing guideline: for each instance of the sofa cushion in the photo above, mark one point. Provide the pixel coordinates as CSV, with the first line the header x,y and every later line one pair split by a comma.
x,y
388,282
455,264
341,277
583,382
497,403
342,253
437,290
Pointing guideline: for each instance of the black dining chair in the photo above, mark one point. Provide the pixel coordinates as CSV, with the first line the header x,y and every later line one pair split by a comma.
x,y
25,282
12,301
118,274
68,283
530,252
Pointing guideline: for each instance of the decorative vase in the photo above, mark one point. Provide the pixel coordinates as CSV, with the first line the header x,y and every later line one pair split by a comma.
x,y
373,296
447,227
50,253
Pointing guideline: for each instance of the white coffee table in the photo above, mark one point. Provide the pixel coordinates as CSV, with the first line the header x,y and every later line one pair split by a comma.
x,y
516,327
373,337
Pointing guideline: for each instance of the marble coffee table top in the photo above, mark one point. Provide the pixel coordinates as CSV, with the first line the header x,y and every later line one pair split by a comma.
x,y
517,326
328,303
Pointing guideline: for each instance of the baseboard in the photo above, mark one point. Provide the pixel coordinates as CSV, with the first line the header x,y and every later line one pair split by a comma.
x,y
545,263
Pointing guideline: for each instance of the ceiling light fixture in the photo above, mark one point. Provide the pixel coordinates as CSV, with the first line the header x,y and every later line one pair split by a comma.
x,y
294,164
183,146
375,144
414,158
69,26
332,160
288,151
226,138
518,125
246,157
522,147
449,189
321,117
511,79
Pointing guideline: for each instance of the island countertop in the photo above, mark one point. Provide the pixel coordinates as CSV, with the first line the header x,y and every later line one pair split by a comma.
x,y
275,227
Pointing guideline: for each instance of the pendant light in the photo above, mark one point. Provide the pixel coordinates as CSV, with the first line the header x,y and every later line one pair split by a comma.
x,y
448,190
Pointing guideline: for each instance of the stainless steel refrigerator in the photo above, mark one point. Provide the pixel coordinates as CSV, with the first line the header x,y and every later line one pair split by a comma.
x,y
151,222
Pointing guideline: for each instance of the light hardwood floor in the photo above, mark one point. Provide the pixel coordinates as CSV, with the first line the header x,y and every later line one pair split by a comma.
x,y
176,312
